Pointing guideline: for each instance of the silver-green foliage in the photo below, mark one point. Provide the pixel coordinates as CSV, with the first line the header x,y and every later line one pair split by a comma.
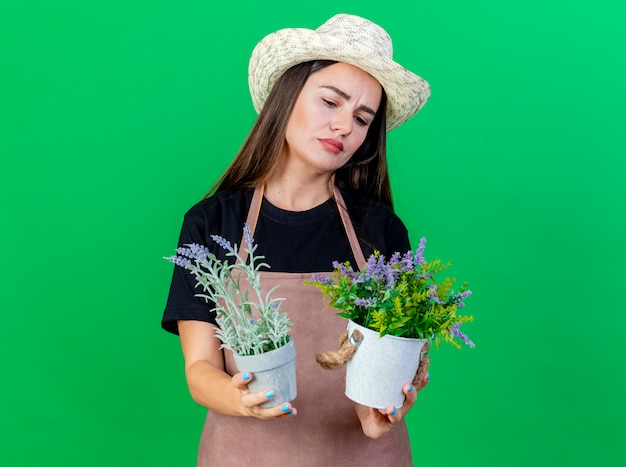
x,y
249,322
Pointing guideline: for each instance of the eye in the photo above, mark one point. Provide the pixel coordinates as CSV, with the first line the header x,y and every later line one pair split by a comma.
x,y
361,121
329,103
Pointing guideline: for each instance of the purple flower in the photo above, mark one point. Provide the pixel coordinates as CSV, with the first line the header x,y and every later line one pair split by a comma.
x,y
184,251
461,335
247,235
179,261
343,269
321,279
198,251
364,302
463,295
419,254
221,241
407,261
432,294
458,298
390,275
191,251
375,267
394,260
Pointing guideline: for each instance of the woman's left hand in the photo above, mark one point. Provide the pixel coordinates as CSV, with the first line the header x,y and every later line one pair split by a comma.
x,y
377,422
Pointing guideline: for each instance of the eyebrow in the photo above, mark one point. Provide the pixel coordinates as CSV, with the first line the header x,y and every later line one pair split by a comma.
x,y
348,97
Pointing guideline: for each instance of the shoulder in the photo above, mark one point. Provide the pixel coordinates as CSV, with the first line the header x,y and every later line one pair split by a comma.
x,y
223,214
366,210
218,203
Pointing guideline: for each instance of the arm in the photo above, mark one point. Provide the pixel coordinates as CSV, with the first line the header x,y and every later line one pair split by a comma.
x,y
209,384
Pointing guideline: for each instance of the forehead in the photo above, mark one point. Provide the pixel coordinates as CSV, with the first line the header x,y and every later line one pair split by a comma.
x,y
350,79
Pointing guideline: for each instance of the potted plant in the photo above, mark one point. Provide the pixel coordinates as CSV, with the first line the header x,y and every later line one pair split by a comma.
x,y
249,324
397,306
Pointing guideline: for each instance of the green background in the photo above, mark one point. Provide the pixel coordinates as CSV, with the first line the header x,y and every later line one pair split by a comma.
x,y
117,116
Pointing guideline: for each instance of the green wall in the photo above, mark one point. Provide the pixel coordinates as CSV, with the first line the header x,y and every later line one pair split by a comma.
x,y
116,118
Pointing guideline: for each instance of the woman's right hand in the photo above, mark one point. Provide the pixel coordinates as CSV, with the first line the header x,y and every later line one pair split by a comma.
x,y
210,385
251,401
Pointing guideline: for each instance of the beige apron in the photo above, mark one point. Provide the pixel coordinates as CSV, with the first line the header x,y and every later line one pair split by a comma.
x,y
326,430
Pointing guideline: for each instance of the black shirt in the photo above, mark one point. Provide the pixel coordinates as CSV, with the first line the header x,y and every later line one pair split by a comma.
x,y
298,242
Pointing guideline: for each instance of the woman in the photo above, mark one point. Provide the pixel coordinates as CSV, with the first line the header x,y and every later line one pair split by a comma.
x,y
311,181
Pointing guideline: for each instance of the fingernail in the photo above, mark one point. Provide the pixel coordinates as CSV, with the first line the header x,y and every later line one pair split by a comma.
x,y
428,377
285,409
269,394
290,414
245,376
411,388
393,412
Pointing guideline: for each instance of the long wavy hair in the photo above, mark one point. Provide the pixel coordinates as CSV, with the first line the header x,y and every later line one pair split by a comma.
x,y
366,173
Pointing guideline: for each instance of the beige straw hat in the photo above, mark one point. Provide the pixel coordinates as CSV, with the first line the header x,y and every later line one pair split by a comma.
x,y
343,38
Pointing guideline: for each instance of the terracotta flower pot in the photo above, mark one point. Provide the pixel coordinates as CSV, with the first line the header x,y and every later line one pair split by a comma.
x,y
274,370
380,367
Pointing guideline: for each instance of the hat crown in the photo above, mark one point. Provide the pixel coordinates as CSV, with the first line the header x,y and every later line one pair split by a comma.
x,y
358,31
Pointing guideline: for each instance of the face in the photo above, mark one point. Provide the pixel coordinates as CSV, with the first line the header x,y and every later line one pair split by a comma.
x,y
330,119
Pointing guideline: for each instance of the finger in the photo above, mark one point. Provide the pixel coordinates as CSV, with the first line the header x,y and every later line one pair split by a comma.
x,y
241,380
394,415
253,399
287,410
291,413
278,411
410,393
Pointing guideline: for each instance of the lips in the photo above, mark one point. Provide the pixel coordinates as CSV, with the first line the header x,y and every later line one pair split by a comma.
x,y
333,145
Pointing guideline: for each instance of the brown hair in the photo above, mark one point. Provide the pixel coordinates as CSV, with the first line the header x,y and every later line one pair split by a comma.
x,y
366,173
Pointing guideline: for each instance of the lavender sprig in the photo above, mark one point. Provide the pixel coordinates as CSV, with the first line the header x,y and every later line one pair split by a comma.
x,y
225,244
246,326
456,332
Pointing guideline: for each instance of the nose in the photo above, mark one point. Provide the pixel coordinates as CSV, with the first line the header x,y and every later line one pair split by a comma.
x,y
342,122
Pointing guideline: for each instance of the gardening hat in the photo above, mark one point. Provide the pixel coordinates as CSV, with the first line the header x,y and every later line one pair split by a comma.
x,y
343,38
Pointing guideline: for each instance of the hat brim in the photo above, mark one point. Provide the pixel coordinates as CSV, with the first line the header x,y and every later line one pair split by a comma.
x,y
279,51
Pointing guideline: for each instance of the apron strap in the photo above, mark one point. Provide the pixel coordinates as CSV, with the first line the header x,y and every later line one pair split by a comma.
x,y
347,224
251,220
255,209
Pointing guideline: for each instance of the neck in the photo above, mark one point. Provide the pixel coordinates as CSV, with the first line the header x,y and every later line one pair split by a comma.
x,y
296,194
